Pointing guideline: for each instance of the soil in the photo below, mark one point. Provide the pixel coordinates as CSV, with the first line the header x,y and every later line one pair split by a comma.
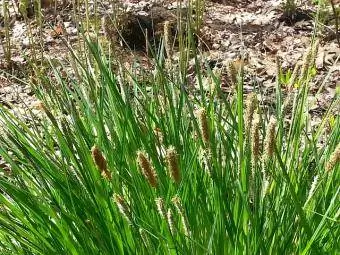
x,y
254,33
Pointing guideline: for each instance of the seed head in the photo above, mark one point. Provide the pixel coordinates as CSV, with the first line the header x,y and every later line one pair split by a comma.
x,y
306,62
173,164
158,134
265,182
255,138
178,203
160,207
204,126
270,138
106,174
171,222
146,41
312,187
251,104
255,151
180,210
205,157
265,187
334,159
144,236
314,52
100,162
293,77
147,169
232,73
167,40
278,67
122,207
98,158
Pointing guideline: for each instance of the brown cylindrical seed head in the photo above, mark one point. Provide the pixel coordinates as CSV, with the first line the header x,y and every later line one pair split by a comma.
x,y
147,169
204,126
98,158
270,138
251,104
334,159
173,164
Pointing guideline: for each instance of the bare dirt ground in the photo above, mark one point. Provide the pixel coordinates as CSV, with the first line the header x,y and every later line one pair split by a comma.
x,y
258,31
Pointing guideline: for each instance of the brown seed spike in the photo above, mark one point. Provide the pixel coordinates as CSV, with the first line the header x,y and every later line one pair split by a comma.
x,y
251,105
204,126
99,159
270,139
101,163
172,163
146,168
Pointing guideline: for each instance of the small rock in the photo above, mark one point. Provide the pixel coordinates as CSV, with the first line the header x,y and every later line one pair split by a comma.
x,y
216,46
25,43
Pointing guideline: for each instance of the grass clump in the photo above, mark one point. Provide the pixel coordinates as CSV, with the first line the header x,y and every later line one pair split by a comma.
x,y
118,166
